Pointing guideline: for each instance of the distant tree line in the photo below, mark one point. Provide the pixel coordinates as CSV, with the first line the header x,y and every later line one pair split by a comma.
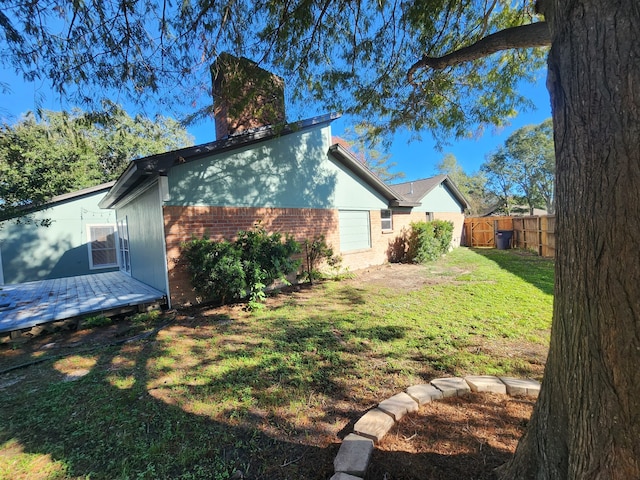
x,y
521,173
51,153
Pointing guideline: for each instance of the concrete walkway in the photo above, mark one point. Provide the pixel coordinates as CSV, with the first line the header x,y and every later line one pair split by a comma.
x,y
26,305
354,455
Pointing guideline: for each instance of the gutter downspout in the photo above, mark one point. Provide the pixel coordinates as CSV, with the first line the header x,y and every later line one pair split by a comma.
x,y
163,196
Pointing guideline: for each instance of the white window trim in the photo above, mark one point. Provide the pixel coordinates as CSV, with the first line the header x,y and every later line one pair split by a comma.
x,y
123,234
384,220
90,241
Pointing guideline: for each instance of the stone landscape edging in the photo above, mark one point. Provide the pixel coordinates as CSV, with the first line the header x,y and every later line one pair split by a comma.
x,y
355,452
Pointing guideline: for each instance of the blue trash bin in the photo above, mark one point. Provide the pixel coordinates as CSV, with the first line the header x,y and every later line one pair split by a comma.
x,y
503,239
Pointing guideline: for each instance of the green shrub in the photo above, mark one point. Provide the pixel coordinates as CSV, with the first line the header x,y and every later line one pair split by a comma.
x,y
316,251
428,240
224,271
215,269
266,257
443,231
145,317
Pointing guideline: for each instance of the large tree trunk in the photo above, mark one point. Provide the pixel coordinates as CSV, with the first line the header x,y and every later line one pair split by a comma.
x,y
586,424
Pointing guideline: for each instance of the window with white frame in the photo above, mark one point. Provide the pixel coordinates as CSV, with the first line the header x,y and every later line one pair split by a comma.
x,y
123,246
103,251
386,220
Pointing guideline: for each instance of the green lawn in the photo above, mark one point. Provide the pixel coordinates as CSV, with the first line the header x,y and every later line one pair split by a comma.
x,y
270,392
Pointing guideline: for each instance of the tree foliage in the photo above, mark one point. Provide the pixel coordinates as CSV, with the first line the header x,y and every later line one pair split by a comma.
x,y
450,66
524,168
353,56
59,152
367,148
472,186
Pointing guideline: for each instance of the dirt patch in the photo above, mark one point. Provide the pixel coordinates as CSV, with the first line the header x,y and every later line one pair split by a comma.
x,y
402,276
452,439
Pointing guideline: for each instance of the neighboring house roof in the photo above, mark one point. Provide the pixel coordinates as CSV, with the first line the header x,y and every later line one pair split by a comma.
x,y
144,168
416,190
516,211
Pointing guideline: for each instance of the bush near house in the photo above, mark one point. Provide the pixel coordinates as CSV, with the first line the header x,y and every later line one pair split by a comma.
x,y
317,251
224,271
428,240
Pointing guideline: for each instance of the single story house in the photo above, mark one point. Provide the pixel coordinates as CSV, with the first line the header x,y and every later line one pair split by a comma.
x,y
289,177
79,240
439,199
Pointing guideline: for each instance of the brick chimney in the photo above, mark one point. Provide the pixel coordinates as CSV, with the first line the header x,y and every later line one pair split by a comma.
x,y
245,96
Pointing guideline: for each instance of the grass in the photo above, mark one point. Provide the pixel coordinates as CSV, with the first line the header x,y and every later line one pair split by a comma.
x,y
268,393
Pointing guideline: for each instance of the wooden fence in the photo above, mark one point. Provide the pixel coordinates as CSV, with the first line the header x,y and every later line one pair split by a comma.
x,y
536,233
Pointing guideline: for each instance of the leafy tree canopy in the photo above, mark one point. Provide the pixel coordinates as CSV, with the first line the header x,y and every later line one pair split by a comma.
x,y
59,152
524,168
366,148
353,56
473,186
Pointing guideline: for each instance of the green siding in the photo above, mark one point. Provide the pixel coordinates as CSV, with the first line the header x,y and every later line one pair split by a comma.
x,y
292,171
31,252
353,193
440,199
146,237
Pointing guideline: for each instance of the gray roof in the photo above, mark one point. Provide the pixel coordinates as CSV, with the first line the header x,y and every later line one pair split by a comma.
x,y
416,190
81,193
28,209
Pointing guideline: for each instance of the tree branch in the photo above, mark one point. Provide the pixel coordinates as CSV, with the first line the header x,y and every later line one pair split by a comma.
x,y
524,36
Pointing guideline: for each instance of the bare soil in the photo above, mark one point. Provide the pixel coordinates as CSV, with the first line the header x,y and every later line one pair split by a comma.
x,y
452,439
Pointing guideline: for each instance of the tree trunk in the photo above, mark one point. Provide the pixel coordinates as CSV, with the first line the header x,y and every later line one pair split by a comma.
x,y
586,424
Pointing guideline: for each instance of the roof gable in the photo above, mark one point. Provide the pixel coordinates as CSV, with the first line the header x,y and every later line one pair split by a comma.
x,y
145,169
416,190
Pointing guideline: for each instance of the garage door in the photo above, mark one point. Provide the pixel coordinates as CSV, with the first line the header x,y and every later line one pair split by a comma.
x,y
355,230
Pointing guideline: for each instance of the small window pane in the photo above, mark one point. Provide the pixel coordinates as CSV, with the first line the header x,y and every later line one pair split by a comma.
x,y
386,220
102,246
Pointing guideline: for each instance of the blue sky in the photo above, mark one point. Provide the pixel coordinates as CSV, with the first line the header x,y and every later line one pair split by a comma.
x,y
417,159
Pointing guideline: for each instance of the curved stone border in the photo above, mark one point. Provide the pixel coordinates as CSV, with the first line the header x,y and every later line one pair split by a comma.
x,y
355,452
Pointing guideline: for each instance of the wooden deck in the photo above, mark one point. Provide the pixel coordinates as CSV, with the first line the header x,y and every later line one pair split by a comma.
x,y
29,304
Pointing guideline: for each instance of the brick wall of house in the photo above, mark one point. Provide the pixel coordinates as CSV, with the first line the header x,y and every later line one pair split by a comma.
x,y
182,223
458,225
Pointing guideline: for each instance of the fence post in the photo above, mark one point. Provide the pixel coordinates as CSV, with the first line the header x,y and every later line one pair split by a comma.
x,y
539,236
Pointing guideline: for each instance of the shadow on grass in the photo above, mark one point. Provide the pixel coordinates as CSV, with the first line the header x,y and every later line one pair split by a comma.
x,y
537,271
118,421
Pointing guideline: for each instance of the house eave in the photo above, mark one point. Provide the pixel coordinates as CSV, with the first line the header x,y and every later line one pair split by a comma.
x,y
370,178
456,193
